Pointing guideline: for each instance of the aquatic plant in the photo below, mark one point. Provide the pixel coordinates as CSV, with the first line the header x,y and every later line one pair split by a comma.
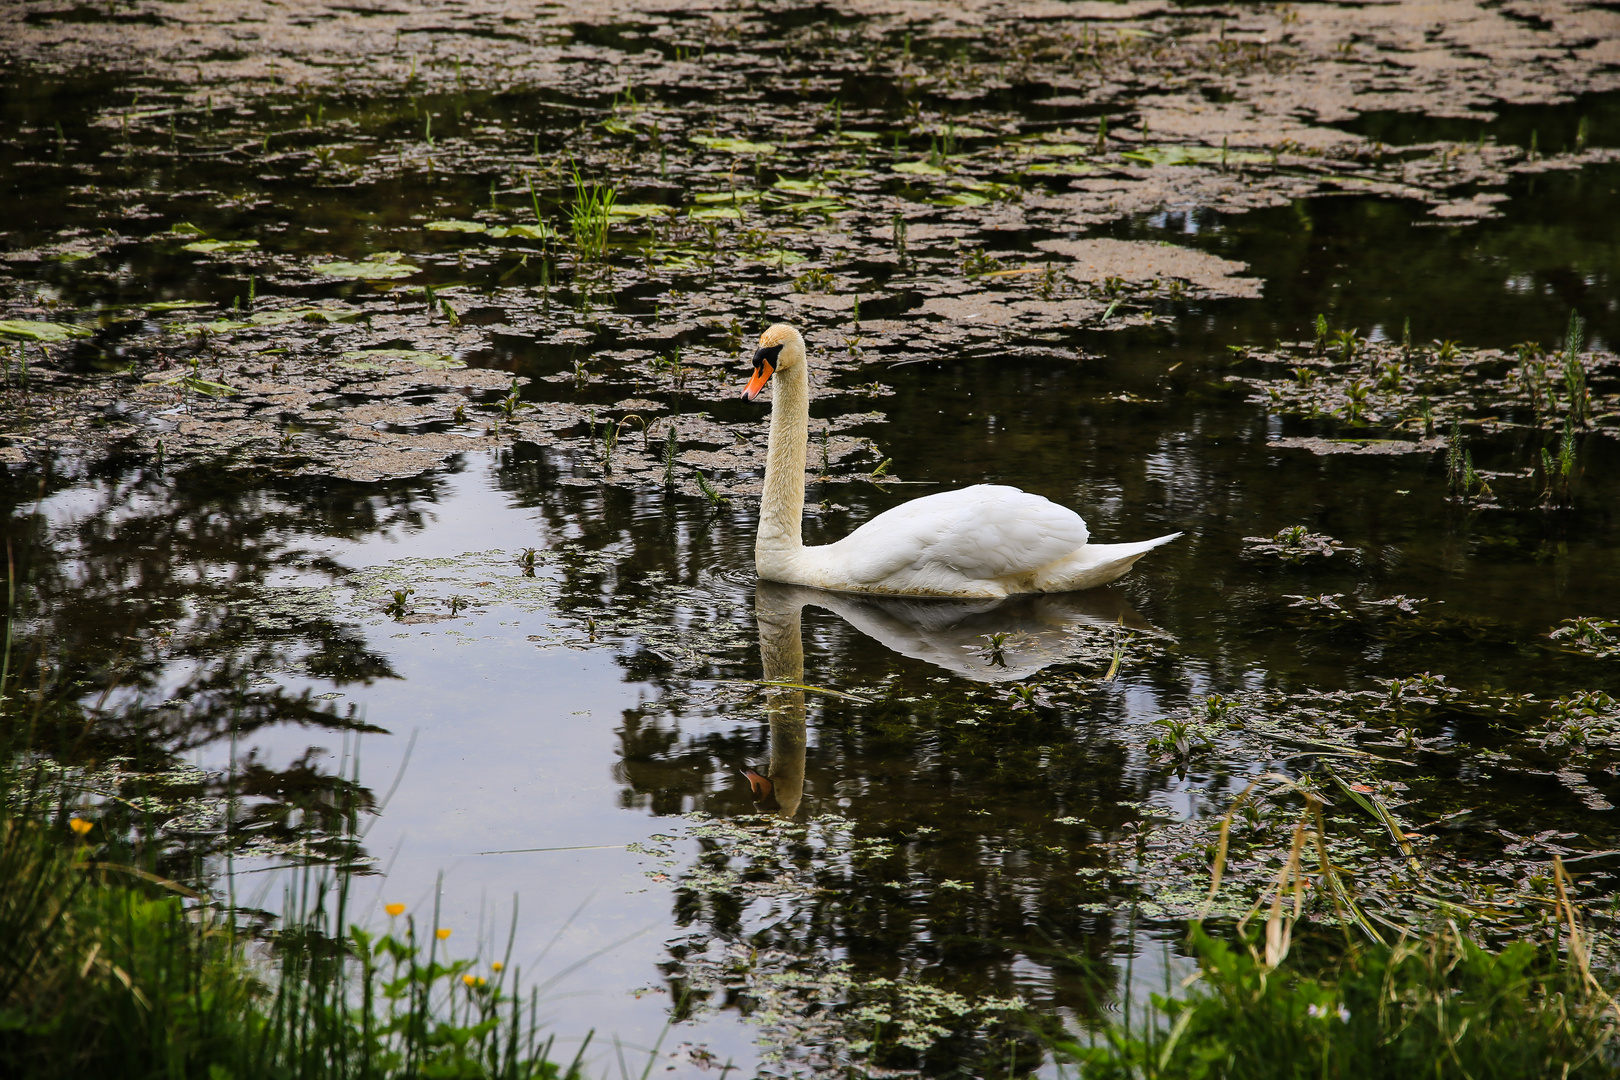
x,y
590,216
1580,403
399,606
1294,544
710,492
512,402
670,450
1438,1005
1558,473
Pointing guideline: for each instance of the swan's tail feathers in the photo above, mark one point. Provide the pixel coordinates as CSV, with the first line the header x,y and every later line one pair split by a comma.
x,y
1095,564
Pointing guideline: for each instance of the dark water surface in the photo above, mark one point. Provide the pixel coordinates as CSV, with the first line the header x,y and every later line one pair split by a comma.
x,y
539,747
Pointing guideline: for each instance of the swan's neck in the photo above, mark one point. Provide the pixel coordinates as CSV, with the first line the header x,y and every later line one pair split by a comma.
x,y
781,511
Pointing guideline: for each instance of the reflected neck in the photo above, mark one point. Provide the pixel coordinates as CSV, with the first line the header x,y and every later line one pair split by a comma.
x,y
781,510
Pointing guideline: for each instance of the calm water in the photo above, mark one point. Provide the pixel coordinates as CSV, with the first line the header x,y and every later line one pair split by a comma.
x,y
522,767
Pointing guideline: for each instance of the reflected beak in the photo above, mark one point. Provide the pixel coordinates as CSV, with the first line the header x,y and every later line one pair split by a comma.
x,y
762,375
761,785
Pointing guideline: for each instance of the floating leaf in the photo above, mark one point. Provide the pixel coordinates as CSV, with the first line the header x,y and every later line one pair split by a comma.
x,y
802,187
702,213
918,168
639,209
1192,155
279,317
188,229
961,198
1040,149
377,268
72,256
740,195
366,359
40,331
220,247
521,232
1062,168
779,257
956,131
815,205
455,226
173,305
618,126
734,146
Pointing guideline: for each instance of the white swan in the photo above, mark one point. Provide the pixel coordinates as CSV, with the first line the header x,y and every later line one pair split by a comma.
x,y
985,541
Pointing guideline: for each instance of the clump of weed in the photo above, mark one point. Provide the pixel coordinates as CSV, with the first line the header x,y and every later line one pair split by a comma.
x,y
1294,544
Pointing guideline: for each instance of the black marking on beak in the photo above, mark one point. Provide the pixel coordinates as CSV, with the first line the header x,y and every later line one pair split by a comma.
x,y
764,366
767,356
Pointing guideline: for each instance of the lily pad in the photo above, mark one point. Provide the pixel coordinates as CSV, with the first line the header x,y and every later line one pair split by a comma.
x,y
384,266
187,228
961,198
740,195
734,146
1192,155
637,209
1062,168
702,213
173,305
220,247
277,317
521,232
1041,149
802,187
40,331
779,257
918,168
72,256
365,359
456,226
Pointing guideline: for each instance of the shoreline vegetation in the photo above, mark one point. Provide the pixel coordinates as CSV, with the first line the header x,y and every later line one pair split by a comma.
x,y
108,969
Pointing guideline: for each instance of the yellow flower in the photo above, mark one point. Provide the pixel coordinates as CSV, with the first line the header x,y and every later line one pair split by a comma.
x,y
497,966
444,932
395,909
79,825
469,979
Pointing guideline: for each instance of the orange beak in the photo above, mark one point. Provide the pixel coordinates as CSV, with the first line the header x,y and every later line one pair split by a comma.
x,y
762,375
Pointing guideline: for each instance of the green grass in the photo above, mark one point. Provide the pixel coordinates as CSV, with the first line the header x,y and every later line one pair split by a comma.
x,y
108,971
1437,1007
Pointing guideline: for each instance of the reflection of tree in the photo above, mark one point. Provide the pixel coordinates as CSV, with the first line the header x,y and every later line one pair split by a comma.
x,y
136,643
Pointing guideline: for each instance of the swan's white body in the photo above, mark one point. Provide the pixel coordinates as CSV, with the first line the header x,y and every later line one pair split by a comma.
x,y
986,541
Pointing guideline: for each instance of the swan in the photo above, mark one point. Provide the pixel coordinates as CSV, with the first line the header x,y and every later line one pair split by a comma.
x,y
986,541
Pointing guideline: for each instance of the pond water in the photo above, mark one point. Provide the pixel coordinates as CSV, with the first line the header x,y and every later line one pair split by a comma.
x,y
562,706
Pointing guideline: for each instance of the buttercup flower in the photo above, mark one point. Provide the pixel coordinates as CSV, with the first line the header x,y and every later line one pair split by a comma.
x,y
79,825
444,932
497,966
395,909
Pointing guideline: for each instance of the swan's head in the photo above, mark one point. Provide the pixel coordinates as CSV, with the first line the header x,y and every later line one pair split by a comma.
x,y
780,348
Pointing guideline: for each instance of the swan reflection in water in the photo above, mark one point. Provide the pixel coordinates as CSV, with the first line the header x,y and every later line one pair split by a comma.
x,y
984,640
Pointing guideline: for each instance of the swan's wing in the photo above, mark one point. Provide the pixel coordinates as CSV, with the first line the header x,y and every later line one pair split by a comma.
x,y
985,531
